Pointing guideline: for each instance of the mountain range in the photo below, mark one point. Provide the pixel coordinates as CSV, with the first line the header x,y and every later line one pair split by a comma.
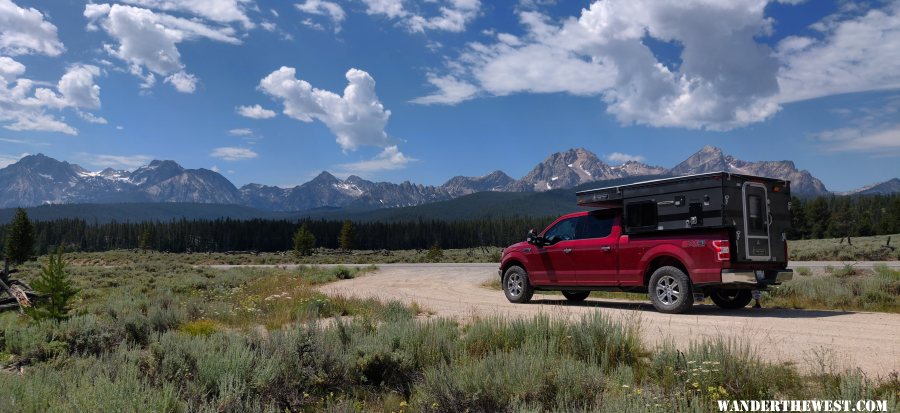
x,y
41,180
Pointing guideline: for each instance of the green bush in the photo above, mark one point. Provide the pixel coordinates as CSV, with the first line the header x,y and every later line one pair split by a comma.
x,y
55,288
435,254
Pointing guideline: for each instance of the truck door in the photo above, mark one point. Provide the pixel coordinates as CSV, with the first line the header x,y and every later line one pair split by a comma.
x,y
556,263
756,222
596,261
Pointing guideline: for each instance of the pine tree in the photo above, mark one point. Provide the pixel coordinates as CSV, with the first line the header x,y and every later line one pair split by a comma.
x,y
304,241
55,288
20,238
347,238
144,243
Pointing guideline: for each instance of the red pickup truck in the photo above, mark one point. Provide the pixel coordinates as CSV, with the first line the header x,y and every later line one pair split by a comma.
x,y
641,241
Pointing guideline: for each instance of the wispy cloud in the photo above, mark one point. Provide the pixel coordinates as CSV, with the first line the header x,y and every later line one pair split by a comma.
x,y
7,160
241,132
233,154
129,162
389,159
23,142
619,157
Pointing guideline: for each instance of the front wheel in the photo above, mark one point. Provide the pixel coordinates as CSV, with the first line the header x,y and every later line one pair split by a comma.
x,y
670,290
516,286
576,296
731,299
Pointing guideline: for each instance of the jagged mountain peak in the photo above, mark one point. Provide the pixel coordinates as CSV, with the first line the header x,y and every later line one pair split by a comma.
x,y
324,177
891,186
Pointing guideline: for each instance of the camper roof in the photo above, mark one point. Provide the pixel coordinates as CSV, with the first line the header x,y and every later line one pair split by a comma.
x,y
612,195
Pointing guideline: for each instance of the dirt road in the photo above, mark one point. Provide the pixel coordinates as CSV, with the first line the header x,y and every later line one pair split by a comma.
x,y
870,341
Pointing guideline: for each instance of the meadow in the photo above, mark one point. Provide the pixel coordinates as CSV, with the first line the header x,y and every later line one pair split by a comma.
x,y
166,336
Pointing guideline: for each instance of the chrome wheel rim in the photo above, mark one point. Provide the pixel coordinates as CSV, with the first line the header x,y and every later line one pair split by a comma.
x,y
667,290
514,284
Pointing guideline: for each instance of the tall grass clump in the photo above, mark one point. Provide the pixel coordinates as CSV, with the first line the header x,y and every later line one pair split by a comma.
x,y
842,289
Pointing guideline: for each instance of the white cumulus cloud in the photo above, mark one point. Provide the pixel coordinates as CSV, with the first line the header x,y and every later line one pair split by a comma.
x,y
233,154
854,54
726,78
324,8
24,31
356,118
255,112
147,41
24,106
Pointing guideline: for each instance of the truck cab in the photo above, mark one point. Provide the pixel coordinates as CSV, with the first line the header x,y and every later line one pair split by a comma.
x,y
632,246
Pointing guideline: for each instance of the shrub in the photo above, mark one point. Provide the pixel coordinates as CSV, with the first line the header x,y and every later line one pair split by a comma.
x,y
55,288
342,273
199,327
435,254
804,271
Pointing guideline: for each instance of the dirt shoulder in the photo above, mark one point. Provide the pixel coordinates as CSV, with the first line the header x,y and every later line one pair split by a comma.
x,y
870,341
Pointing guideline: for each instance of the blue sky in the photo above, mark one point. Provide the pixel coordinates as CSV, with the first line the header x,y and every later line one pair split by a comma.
x,y
438,88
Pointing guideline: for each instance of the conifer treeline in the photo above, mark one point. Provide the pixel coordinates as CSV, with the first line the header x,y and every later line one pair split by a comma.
x,y
275,235
840,216
823,217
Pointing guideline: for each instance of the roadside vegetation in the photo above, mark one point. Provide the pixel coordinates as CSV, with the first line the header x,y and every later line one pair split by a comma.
x,y
871,248
840,288
170,337
146,331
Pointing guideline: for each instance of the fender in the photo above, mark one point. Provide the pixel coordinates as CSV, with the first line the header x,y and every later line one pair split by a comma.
x,y
514,256
667,250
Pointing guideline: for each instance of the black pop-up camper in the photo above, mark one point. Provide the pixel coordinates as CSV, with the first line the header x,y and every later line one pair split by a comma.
x,y
756,210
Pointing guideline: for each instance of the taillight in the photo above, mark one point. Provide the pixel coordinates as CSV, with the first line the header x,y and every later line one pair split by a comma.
x,y
723,250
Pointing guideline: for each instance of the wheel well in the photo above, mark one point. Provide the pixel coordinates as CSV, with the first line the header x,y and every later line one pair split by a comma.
x,y
508,264
663,261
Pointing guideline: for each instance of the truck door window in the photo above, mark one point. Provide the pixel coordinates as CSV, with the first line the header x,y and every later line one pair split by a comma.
x,y
594,226
563,230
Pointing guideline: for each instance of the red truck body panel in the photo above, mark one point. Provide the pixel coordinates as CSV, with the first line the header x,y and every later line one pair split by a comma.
x,y
616,260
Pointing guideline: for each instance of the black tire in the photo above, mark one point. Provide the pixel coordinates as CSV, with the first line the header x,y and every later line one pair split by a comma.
x,y
670,290
516,286
576,296
731,299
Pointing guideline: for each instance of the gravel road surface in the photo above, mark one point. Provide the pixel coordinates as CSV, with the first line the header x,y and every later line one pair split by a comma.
x,y
870,341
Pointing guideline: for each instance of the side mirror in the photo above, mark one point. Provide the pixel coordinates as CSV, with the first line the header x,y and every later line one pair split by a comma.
x,y
534,239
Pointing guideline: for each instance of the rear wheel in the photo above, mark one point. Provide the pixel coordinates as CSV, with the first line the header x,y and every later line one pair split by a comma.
x,y
516,286
670,290
731,299
576,296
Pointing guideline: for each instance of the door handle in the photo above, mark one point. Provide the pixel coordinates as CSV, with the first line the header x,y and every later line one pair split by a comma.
x,y
606,248
567,251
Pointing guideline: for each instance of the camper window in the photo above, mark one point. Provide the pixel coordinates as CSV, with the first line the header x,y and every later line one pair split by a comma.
x,y
641,215
594,226
756,216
